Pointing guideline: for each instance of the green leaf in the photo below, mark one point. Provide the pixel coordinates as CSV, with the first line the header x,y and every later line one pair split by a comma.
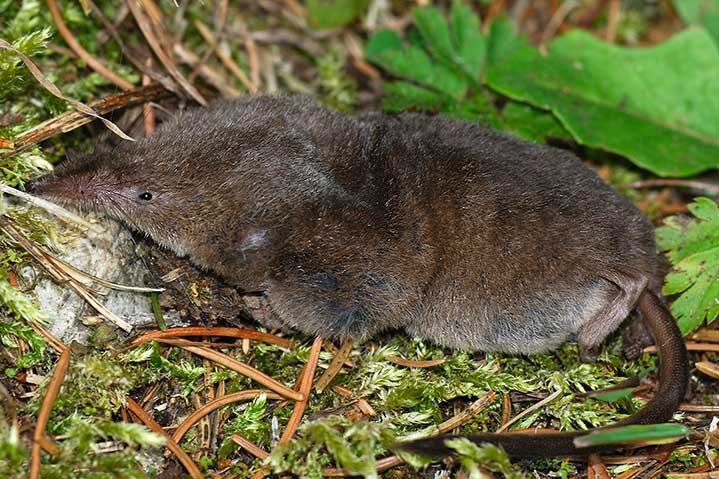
x,y
325,14
645,434
693,248
614,395
657,106
531,123
700,12
468,41
406,61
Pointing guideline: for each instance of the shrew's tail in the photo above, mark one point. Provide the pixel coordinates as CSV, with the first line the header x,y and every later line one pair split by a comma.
x,y
673,380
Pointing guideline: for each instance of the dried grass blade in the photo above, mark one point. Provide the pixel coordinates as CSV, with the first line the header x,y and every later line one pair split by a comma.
x,y
72,119
48,206
49,86
79,274
153,32
226,60
531,409
414,364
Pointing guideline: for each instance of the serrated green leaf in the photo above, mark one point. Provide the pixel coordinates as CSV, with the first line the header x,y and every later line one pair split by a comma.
x,y
468,40
435,33
412,63
645,434
640,102
693,248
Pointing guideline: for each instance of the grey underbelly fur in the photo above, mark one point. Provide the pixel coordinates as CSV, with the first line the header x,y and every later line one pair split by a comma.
x,y
531,325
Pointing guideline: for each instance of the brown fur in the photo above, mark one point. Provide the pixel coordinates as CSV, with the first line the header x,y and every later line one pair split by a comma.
x,y
455,232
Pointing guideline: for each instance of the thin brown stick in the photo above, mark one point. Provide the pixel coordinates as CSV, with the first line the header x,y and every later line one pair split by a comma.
x,y
226,59
597,468
253,60
240,333
335,366
382,465
530,409
250,447
214,78
132,54
615,14
211,406
691,346
45,410
72,119
699,185
238,366
173,446
152,31
414,364
91,61
147,111
446,426
699,408
305,387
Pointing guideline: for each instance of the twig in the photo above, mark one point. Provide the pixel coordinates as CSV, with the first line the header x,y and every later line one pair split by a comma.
x,y
250,447
131,54
453,422
240,333
147,111
212,77
335,366
91,61
558,19
70,120
414,364
530,409
615,13
224,57
211,406
237,366
699,408
152,31
173,446
691,346
699,185
305,387
597,468
49,86
45,410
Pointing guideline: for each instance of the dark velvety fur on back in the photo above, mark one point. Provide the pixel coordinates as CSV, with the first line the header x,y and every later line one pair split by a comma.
x,y
455,232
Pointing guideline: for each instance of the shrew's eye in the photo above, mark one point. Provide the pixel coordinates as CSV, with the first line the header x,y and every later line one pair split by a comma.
x,y
145,196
